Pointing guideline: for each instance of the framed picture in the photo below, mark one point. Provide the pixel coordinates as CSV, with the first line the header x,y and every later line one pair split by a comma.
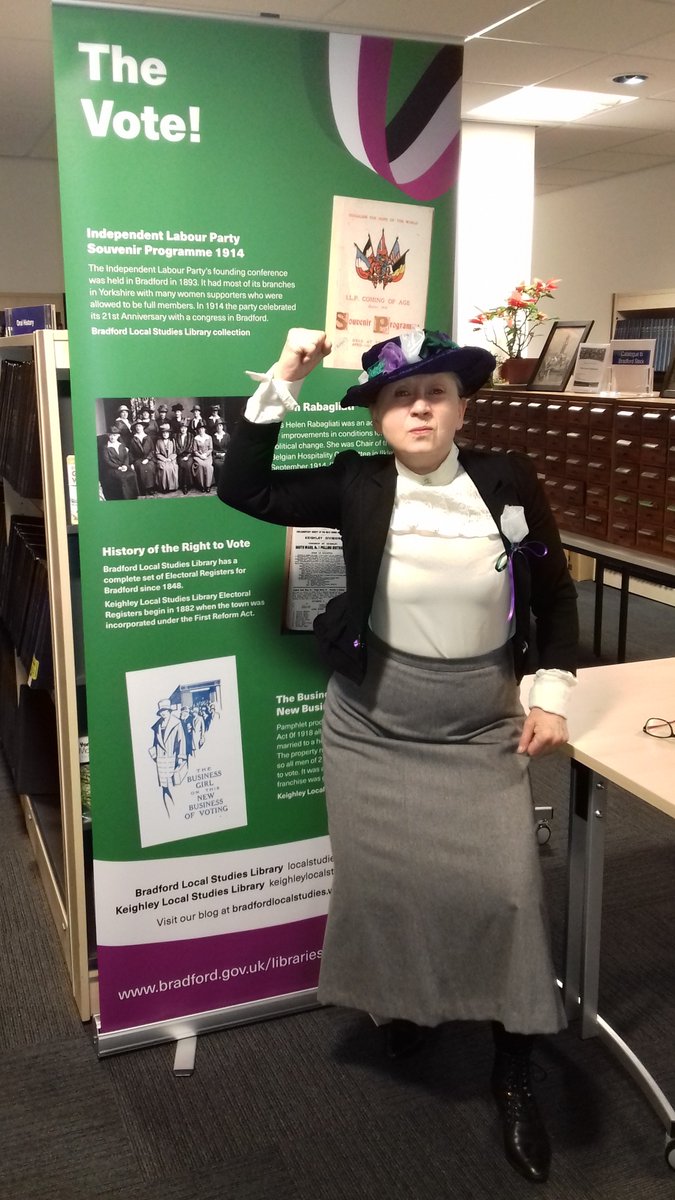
x,y
668,387
559,355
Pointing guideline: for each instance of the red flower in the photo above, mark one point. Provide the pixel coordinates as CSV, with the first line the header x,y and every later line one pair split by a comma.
x,y
519,316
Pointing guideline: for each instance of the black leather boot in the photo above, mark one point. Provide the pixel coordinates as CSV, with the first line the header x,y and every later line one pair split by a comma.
x,y
404,1038
525,1140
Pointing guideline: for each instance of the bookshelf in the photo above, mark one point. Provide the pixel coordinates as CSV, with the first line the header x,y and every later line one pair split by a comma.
x,y
647,315
54,823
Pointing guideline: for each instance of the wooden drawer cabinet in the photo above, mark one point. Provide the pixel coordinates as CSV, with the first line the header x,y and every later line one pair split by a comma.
x,y
650,511
600,443
626,476
556,414
575,466
655,423
628,421
624,505
651,481
607,465
622,533
649,540
597,498
600,415
572,517
573,491
599,470
669,515
578,415
595,524
627,449
653,452
517,433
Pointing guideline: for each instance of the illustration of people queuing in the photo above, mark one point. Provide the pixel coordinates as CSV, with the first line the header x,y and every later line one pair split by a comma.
x,y
179,733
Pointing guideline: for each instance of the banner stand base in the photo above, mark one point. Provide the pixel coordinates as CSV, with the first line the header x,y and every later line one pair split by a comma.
x,y
184,1060
183,1029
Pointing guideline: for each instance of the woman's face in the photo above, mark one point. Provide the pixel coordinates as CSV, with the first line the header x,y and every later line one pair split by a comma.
x,y
418,417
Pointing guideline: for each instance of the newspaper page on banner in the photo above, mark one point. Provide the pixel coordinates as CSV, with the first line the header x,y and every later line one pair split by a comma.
x,y
378,274
315,572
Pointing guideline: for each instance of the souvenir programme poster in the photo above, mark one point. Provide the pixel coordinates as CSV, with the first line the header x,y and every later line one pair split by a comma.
x,y
378,274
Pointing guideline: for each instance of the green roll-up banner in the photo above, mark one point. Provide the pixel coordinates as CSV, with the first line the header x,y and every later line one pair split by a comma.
x,y
221,182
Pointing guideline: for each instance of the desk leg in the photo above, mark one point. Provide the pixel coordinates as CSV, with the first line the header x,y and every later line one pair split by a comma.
x,y
595,865
623,616
582,937
576,872
584,897
597,615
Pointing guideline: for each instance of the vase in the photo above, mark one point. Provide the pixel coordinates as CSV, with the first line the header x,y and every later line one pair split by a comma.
x,y
517,371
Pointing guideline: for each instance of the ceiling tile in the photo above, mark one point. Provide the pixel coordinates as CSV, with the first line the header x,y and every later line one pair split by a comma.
x,y
653,143
563,142
494,60
617,161
32,19
45,146
556,177
601,25
306,10
646,114
435,18
474,94
19,131
26,72
661,47
597,76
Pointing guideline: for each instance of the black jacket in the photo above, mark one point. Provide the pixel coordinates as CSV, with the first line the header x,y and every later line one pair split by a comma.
x,y
355,494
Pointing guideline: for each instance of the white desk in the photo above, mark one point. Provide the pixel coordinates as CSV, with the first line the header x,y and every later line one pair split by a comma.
x,y
609,707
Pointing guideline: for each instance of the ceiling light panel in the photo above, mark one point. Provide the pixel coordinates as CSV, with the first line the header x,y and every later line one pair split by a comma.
x,y
534,105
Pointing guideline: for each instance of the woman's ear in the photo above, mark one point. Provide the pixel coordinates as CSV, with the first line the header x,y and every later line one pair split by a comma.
x,y
462,412
375,418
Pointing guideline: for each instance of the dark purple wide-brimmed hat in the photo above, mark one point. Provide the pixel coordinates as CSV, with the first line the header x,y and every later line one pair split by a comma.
x,y
419,352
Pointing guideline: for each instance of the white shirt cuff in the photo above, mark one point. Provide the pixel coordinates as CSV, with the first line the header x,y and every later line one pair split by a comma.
x,y
551,691
272,399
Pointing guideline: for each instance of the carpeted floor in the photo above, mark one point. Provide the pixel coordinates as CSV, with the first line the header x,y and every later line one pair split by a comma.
x,y
308,1107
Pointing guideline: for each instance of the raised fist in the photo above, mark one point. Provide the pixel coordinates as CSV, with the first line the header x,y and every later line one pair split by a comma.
x,y
303,351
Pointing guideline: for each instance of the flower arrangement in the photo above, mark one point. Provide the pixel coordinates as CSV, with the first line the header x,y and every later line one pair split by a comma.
x,y
520,316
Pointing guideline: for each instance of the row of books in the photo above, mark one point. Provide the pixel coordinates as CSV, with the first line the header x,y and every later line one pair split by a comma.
x,y
24,598
662,329
19,432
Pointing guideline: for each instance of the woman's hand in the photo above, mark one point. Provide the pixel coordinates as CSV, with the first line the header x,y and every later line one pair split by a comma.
x,y
543,732
303,351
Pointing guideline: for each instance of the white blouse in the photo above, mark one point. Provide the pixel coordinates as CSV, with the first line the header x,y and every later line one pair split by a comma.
x,y
438,591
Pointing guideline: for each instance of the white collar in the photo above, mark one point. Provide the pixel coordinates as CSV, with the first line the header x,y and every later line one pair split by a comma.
x,y
443,474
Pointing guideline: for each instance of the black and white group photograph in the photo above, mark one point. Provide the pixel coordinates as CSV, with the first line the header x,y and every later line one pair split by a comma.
x,y
151,448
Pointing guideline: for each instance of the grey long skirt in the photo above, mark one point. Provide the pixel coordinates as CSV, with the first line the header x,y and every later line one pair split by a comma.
x,y
437,911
